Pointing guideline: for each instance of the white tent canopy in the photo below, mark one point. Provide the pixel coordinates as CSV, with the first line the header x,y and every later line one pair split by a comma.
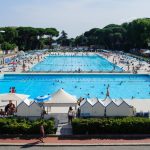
x,y
61,98
4,98
13,97
59,104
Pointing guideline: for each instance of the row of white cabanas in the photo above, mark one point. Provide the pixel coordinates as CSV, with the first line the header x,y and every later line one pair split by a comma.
x,y
107,107
58,105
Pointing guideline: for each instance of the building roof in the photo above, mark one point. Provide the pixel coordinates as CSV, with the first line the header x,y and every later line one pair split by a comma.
x,y
27,101
118,101
92,101
83,102
106,101
13,97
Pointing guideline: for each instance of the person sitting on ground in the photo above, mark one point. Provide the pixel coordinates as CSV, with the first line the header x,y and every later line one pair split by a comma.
x,y
10,108
2,113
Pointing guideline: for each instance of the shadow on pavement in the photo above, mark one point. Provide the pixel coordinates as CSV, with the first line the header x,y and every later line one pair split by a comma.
x,y
30,144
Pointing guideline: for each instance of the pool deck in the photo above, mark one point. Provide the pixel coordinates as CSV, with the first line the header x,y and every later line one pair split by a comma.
x,y
145,69
112,57
71,73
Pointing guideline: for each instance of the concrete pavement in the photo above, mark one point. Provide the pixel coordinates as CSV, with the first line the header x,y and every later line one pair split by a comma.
x,y
68,141
75,148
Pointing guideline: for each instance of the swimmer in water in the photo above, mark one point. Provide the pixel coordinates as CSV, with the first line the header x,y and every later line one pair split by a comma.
x,y
121,82
102,93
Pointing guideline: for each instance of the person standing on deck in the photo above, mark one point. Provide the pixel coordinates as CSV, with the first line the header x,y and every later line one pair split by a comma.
x,y
70,115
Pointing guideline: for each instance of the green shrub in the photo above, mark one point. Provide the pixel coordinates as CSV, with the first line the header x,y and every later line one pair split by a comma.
x,y
128,125
24,126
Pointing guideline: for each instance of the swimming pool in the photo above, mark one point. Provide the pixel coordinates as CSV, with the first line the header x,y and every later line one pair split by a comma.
x,y
124,86
74,63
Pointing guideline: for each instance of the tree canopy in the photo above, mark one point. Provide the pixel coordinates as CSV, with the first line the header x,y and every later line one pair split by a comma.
x,y
135,34
28,38
7,46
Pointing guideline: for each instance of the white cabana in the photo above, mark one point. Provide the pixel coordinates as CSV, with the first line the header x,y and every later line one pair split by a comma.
x,y
111,109
86,108
32,109
119,108
23,109
124,109
35,110
107,107
92,108
98,109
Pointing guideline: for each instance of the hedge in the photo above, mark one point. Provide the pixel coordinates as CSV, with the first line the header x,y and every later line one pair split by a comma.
x,y
25,126
128,125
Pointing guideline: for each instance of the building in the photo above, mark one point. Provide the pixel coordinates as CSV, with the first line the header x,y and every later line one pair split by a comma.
x,y
29,109
92,108
106,108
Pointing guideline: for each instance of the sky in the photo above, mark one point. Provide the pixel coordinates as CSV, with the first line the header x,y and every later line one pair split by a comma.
x,y
73,16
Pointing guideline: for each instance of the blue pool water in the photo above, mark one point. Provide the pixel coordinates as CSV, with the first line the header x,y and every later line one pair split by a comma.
x,y
73,63
124,86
